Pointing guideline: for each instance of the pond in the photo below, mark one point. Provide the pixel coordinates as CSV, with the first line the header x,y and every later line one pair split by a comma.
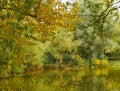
x,y
107,79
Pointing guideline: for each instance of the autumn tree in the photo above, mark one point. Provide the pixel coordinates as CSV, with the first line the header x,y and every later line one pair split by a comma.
x,y
24,22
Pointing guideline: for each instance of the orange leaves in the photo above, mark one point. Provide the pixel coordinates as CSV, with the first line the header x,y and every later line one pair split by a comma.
x,y
23,39
32,12
5,20
21,3
45,16
50,15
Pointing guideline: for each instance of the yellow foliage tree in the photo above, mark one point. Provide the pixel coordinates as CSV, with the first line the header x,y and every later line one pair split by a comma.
x,y
24,21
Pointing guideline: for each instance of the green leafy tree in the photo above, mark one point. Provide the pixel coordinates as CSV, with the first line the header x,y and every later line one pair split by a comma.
x,y
64,43
96,27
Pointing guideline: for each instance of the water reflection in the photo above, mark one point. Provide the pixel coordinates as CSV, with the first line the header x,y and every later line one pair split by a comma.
x,y
65,80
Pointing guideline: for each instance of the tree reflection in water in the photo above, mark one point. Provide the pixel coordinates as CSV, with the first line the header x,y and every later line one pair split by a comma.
x,y
65,80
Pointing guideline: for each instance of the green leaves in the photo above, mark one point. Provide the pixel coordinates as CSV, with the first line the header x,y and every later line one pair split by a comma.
x,y
97,28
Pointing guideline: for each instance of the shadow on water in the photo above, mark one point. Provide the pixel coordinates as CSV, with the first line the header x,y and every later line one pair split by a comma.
x,y
66,80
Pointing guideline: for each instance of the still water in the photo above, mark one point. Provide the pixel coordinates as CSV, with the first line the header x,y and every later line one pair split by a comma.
x,y
65,80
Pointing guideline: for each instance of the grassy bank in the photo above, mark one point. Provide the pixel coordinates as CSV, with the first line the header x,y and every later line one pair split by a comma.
x,y
115,63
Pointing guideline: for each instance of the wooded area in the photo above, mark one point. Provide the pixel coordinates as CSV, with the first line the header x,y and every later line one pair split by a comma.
x,y
41,34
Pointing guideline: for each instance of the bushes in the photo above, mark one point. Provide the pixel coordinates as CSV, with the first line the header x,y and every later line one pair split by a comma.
x,y
48,59
4,71
68,59
100,63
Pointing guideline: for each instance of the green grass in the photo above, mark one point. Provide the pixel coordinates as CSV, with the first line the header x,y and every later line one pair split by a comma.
x,y
114,63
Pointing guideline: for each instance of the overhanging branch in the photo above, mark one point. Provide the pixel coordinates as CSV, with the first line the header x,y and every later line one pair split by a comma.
x,y
26,14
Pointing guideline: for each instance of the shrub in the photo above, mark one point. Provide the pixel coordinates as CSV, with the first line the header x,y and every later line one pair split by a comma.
x,y
96,62
48,59
102,62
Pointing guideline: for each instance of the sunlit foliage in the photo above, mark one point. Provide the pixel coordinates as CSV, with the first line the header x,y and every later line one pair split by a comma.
x,y
25,24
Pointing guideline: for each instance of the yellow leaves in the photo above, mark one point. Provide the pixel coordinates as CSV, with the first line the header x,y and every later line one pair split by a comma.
x,y
23,39
53,16
97,72
103,62
21,3
51,1
96,62
62,23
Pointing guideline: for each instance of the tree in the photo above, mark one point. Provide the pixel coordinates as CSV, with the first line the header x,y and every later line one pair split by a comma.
x,y
24,22
94,27
64,43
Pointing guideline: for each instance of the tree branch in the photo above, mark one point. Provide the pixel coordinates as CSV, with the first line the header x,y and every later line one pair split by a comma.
x,y
26,14
115,3
91,15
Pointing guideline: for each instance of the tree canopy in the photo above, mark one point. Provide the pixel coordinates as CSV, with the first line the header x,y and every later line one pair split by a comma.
x,y
40,32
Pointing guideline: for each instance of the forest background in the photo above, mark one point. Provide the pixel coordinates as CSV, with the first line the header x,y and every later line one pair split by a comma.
x,y
41,34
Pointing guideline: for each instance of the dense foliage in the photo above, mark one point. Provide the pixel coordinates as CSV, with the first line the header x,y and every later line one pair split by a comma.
x,y
40,33
97,28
